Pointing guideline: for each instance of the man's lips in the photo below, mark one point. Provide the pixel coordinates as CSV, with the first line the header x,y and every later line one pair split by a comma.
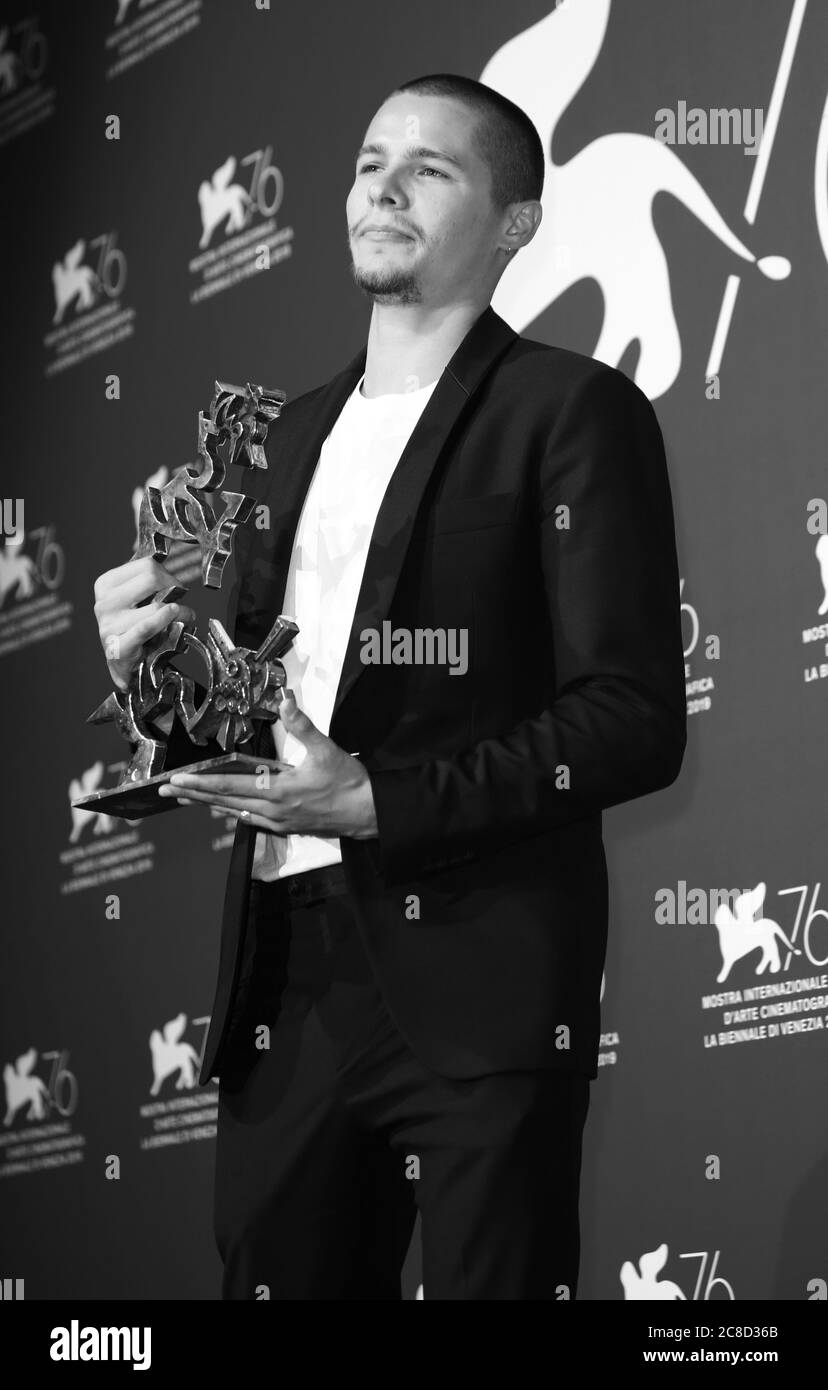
x,y
386,233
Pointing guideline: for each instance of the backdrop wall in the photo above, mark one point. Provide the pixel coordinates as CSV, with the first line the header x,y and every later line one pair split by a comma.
x,y
174,175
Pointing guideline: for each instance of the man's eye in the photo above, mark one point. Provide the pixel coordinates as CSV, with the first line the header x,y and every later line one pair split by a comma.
x,y
366,168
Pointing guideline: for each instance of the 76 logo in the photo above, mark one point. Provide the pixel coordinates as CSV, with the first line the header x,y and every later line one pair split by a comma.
x,y
24,1088
229,204
707,1278
805,921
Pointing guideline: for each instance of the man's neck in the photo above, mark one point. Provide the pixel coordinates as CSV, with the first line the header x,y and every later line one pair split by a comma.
x,y
410,344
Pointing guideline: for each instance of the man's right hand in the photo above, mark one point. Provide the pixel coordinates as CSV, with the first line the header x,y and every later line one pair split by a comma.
x,y
122,626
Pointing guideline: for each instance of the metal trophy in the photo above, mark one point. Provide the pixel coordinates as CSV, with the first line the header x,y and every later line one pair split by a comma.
x,y
243,687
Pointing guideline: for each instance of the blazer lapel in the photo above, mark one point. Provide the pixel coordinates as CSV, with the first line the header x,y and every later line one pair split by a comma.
x,y
486,341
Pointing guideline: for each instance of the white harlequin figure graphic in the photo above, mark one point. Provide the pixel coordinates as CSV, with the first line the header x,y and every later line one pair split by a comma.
x,y
23,1088
643,1283
18,573
222,200
169,1055
822,557
73,280
88,782
739,934
598,207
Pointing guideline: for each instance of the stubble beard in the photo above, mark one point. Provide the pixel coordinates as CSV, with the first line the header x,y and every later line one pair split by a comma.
x,y
388,286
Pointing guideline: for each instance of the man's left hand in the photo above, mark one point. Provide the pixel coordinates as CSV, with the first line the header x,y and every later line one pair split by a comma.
x,y
328,794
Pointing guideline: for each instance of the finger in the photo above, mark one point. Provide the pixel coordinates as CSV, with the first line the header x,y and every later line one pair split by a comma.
x,y
130,583
169,605
239,803
135,630
234,806
158,617
260,823
121,605
110,580
226,784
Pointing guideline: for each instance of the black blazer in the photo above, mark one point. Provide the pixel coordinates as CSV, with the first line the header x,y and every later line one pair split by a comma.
x,y
532,507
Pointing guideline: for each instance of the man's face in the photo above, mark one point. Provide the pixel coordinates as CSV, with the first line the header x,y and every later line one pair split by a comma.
x,y
421,227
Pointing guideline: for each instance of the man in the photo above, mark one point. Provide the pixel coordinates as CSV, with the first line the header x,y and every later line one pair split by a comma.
x,y
407,1008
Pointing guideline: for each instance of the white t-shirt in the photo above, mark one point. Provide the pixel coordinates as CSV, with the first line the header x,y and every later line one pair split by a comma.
x,y
330,548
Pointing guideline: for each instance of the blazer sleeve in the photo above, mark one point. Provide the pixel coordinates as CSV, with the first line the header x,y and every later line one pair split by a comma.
x,y
616,725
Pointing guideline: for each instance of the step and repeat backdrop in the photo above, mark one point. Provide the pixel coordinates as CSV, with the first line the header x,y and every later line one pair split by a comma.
x,y
174,175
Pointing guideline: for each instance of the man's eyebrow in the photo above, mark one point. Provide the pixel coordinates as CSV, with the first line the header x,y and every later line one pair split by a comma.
x,y
412,152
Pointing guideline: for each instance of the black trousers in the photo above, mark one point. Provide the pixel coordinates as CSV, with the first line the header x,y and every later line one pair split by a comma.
x,y
332,1135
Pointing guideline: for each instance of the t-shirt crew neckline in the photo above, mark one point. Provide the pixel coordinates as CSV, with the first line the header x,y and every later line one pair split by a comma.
x,y
392,396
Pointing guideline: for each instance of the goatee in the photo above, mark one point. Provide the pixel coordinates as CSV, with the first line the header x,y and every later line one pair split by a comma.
x,y
388,286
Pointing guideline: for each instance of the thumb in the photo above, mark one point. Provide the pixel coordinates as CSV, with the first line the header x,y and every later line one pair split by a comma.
x,y
295,720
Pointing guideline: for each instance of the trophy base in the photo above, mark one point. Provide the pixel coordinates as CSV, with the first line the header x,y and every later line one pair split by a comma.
x,y
135,800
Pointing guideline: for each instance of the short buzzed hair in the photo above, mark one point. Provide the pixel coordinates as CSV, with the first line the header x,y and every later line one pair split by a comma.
x,y
506,138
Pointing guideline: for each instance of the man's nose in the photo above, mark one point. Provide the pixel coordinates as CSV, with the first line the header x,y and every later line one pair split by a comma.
x,y
386,189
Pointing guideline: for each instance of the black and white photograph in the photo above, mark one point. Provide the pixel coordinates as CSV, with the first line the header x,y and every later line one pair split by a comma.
x,y
414,642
